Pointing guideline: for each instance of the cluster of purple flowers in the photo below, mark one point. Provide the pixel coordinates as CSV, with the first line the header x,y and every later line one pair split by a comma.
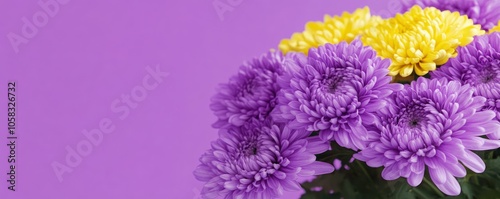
x,y
268,111
255,156
279,111
478,65
336,91
436,123
259,160
432,124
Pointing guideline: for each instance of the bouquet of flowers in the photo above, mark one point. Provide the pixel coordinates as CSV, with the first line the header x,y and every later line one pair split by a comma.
x,y
357,106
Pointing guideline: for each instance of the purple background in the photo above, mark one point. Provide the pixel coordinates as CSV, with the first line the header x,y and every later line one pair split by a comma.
x,y
91,52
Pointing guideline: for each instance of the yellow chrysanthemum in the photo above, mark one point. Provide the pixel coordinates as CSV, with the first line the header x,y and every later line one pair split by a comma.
x,y
420,39
332,30
496,28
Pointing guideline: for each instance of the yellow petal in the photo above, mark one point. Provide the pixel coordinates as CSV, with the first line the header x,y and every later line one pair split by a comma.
x,y
419,71
427,66
406,71
332,30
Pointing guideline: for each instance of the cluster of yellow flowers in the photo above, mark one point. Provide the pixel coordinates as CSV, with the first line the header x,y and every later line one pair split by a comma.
x,y
420,39
416,42
332,30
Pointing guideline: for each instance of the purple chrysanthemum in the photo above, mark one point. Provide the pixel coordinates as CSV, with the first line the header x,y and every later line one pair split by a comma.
x,y
432,124
478,64
249,94
335,90
259,160
484,12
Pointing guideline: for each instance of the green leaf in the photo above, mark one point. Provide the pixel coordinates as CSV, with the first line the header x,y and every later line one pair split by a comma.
x,y
467,189
492,168
489,193
362,181
319,195
337,152
401,189
348,190
328,182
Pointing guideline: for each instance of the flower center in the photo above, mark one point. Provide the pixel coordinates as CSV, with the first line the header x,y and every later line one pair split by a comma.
x,y
248,147
488,76
414,130
338,82
247,88
334,83
414,123
486,71
412,116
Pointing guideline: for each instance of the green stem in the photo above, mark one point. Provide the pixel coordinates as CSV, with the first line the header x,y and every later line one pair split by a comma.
x,y
433,187
490,155
364,171
419,192
476,180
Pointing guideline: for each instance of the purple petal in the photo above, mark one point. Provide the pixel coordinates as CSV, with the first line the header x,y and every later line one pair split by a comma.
x,y
473,162
451,187
438,175
391,172
415,179
320,168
